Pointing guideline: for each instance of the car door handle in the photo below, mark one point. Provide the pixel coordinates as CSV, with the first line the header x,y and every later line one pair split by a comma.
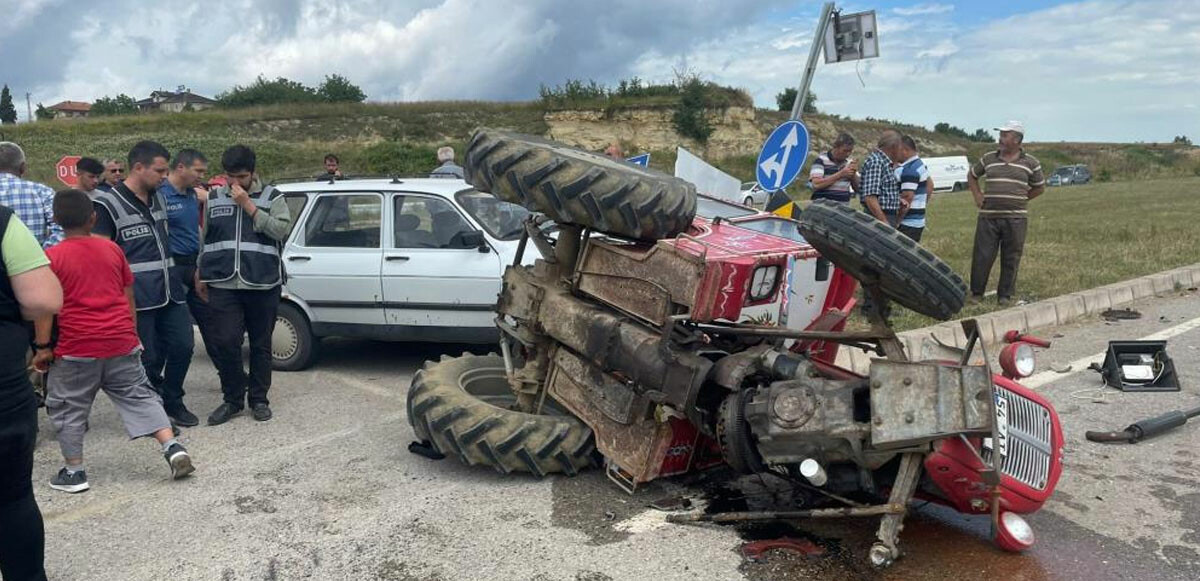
x,y
395,258
294,258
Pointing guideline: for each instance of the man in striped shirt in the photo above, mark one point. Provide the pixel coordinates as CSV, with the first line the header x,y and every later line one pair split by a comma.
x,y
914,191
1012,178
834,175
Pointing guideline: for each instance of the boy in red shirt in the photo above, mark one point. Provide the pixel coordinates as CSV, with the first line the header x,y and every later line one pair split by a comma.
x,y
98,346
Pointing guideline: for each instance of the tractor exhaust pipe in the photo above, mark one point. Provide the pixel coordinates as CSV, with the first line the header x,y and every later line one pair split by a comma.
x,y
1146,428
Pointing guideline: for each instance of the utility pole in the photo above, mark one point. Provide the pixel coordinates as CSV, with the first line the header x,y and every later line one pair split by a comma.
x,y
855,37
28,108
813,52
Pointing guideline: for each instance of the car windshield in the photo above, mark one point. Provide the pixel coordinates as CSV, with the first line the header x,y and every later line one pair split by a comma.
x,y
781,227
710,208
501,219
1064,171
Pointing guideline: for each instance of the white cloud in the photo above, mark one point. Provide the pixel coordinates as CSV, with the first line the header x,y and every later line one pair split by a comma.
x,y
417,49
942,49
926,8
1078,71
1075,72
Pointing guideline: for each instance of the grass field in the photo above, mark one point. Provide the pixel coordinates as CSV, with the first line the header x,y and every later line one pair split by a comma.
x,y
290,140
1080,237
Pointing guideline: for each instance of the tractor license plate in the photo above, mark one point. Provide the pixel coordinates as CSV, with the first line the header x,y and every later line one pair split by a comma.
x,y
1001,426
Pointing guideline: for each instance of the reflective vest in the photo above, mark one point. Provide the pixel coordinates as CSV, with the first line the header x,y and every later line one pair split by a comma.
x,y
145,246
232,249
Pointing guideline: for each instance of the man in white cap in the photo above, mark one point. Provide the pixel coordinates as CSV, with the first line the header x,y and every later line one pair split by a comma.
x,y
1011,178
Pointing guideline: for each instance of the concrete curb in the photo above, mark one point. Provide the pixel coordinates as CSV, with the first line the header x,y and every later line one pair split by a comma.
x,y
1052,312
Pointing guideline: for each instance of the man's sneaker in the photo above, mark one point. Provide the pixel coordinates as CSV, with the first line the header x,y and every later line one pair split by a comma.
x,y
223,413
72,482
182,416
181,464
261,412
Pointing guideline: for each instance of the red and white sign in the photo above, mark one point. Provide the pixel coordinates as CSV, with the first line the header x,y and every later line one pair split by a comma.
x,y
66,171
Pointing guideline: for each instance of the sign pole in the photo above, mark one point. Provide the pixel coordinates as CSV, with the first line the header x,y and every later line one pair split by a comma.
x,y
810,68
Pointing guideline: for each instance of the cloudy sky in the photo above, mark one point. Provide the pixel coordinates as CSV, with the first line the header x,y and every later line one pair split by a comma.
x,y
1102,70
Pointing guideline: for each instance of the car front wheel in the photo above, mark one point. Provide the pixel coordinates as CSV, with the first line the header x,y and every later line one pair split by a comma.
x,y
293,346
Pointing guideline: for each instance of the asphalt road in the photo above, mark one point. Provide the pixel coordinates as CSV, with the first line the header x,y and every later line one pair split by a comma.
x,y
327,490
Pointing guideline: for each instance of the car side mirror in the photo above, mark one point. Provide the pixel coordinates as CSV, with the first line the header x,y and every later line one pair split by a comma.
x,y
474,239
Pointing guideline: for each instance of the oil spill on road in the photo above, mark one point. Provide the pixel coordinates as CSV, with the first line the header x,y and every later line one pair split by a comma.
x,y
938,543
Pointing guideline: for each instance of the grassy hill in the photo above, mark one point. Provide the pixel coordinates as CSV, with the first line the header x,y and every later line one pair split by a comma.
x,y
400,138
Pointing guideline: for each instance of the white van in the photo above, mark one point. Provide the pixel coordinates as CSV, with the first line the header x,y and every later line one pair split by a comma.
x,y
948,173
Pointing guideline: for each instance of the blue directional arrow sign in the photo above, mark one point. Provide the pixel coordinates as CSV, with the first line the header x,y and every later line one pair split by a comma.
x,y
782,156
642,160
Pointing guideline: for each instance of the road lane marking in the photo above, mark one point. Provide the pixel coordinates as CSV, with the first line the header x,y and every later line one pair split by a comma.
x,y
1081,364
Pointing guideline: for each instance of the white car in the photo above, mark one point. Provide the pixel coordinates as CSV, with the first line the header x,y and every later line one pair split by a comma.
x,y
754,196
397,260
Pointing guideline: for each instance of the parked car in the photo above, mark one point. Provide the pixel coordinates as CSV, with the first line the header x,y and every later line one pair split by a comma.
x,y
1070,175
754,195
397,260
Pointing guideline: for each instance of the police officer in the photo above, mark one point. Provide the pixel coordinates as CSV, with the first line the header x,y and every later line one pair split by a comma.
x,y
134,215
239,275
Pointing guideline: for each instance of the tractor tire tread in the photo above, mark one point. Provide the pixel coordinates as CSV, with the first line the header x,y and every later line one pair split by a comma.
x,y
461,425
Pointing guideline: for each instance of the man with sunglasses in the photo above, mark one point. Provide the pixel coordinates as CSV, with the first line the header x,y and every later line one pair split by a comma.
x,y
114,173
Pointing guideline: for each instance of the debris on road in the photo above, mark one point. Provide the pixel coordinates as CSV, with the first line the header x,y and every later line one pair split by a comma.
x,y
1120,315
754,550
1148,428
424,448
671,503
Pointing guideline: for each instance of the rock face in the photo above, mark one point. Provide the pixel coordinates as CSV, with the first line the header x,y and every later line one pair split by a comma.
x,y
736,130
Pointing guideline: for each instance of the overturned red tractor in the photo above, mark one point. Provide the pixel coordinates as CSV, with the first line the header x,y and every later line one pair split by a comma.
x,y
628,344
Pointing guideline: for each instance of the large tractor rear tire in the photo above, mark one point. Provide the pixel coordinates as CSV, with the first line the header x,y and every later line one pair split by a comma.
x,y
573,186
461,405
873,251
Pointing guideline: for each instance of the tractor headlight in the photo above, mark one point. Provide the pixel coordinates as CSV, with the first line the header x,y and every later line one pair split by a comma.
x,y
763,282
1017,360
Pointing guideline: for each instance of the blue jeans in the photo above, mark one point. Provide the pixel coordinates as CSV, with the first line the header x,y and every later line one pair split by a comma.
x,y
166,334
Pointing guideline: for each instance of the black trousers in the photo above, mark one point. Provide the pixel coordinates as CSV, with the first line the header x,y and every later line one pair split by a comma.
x,y
166,334
911,231
232,313
186,267
885,308
22,536
992,235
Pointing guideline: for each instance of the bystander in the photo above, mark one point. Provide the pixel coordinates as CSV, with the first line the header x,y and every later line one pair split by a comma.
x,y
32,202
447,168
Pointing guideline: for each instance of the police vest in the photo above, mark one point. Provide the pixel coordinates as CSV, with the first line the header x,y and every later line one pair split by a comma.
x,y
144,243
232,249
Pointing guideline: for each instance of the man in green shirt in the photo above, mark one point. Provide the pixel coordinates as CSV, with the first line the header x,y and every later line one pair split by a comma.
x,y
28,290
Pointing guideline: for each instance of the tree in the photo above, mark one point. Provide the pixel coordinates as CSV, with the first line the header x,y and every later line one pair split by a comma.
x,y
982,136
8,113
42,113
264,92
787,98
120,105
690,119
338,89
951,130
1182,140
